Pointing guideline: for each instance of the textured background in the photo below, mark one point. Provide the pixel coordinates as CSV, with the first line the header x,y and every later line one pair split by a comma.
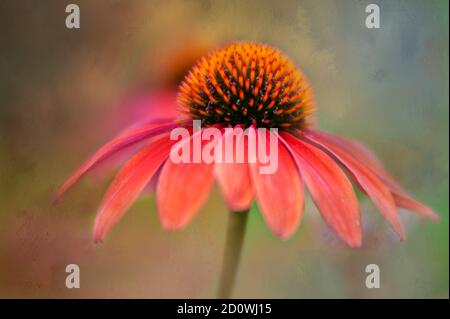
x,y
59,93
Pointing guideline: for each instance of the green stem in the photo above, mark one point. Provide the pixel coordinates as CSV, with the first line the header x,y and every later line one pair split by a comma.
x,y
235,237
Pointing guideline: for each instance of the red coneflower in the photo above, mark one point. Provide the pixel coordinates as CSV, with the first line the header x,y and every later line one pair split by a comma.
x,y
250,85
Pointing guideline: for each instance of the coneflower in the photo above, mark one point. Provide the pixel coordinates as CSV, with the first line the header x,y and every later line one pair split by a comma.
x,y
251,86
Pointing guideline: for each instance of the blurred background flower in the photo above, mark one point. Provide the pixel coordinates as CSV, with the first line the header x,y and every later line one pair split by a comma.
x,y
386,87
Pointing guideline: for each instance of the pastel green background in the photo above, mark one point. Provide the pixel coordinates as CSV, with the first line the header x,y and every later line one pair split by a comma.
x,y
58,102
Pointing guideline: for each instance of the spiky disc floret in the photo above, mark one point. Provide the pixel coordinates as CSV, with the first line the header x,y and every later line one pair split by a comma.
x,y
247,84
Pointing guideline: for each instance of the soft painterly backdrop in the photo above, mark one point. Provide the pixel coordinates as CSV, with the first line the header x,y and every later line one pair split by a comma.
x,y
60,93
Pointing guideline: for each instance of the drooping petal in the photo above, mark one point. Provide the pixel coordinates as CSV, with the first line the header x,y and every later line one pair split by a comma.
x,y
330,188
369,160
367,180
360,153
407,202
125,139
234,178
182,190
128,184
279,195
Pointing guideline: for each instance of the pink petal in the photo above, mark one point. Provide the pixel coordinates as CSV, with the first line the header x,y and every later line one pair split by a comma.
x,y
405,201
359,152
154,104
234,178
182,190
279,195
368,181
130,137
369,160
128,184
330,188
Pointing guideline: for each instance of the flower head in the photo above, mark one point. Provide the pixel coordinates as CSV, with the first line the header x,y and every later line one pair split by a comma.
x,y
247,84
252,86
